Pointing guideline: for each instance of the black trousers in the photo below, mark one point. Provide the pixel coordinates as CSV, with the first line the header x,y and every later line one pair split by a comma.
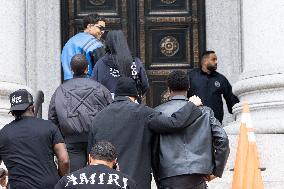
x,y
194,181
77,154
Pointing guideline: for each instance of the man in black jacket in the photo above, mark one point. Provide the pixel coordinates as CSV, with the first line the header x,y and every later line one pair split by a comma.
x,y
100,173
73,107
124,124
197,153
209,85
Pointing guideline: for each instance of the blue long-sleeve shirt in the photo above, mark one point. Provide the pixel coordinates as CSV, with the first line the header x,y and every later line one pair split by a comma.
x,y
78,44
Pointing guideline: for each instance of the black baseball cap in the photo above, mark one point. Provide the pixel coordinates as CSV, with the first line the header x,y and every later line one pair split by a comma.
x,y
20,100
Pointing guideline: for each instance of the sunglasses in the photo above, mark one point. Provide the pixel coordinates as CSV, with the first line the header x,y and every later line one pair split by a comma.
x,y
102,28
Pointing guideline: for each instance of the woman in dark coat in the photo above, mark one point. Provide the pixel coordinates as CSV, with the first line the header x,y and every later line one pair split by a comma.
x,y
118,62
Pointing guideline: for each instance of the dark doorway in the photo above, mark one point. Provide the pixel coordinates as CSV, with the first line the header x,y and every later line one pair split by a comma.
x,y
165,34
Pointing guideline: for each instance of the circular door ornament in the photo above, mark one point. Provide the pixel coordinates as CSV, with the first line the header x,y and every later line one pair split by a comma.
x,y
97,2
169,46
168,1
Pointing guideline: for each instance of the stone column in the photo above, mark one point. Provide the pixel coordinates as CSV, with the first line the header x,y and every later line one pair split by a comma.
x,y
223,36
12,52
30,50
261,82
43,47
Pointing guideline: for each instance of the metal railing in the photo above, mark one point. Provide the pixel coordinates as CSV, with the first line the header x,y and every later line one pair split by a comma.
x,y
39,99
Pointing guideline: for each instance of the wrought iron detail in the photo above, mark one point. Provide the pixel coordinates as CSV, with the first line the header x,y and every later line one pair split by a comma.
x,y
97,2
169,46
168,1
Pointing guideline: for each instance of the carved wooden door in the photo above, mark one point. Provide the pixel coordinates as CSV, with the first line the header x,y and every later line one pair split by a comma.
x,y
165,34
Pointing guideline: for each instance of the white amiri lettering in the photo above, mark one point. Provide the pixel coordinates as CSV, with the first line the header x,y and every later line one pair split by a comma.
x,y
124,180
111,179
92,178
83,179
101,177
72,179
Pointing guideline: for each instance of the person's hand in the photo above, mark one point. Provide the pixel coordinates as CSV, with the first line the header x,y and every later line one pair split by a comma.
x,y
3,177
209,177
3,181
195,100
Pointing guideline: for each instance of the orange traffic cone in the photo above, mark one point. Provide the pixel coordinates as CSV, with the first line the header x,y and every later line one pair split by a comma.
x,y
241,154
246,118
246,171
252,179
241,157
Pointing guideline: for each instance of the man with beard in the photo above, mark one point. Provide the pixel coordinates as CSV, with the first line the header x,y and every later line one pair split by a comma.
x,y
209,85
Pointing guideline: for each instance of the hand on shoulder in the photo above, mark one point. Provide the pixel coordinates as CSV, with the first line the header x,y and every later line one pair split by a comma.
x,y
195,100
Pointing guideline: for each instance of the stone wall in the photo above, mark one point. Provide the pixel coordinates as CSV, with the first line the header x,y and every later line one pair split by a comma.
x,y
30,50
223,35
12,52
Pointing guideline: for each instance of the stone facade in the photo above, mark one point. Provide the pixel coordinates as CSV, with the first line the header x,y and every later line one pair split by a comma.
x,y
258,39
30,50
223,35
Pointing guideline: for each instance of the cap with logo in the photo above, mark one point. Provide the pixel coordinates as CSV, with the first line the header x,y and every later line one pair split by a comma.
x,y
20,100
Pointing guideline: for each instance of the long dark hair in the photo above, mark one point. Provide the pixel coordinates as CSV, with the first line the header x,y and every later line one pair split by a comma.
x,y
117,47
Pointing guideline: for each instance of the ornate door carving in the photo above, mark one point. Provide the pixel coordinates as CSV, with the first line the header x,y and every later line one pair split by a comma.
x,y
165,34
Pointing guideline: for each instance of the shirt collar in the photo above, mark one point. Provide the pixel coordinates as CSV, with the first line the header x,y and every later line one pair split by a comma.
x,y
178,97
121,98
80,76
205,73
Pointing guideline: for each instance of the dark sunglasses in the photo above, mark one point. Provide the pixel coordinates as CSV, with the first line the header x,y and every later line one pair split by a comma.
x,y
102,28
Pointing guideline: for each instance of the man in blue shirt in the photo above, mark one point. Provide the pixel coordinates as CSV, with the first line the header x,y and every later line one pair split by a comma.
x,y
86,42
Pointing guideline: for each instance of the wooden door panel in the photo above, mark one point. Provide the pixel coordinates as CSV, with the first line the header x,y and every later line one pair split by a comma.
x,y
73,12
174,7
111,9
168,46
173,38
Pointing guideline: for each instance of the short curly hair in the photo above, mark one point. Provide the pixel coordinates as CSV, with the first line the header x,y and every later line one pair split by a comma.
x,y
103,150
79,64
178,81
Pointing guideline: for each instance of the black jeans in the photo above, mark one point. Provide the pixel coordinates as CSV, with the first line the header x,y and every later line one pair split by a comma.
x,y
184,182
77,154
